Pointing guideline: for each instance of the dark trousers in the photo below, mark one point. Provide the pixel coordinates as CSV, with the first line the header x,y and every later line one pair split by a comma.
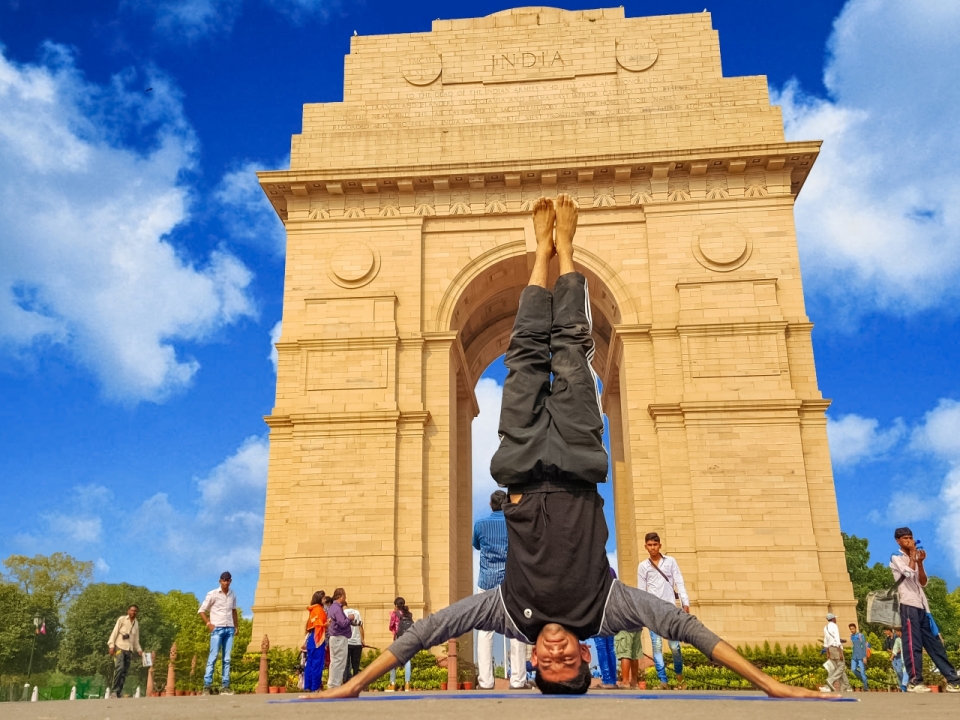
x,y
353,661
917,637
121,666
551,431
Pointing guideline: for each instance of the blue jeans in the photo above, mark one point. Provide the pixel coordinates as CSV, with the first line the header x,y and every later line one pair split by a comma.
x,y
859,668
657,643
220,639
406,670
606,659
901,673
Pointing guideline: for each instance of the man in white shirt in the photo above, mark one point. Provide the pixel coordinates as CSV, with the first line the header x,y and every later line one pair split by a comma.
x,y
354,644
660,575
918,635
219,613
123,642
833,643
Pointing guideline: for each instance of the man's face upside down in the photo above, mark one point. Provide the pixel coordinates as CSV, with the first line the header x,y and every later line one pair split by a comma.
x,y
558,654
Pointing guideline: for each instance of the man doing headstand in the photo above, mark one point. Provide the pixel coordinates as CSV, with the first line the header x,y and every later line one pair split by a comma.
x,y
557,590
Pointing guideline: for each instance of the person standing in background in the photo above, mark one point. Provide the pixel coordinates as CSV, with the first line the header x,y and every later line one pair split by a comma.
x,y
896,659
354,644
315,644
339,630
660,575
123,642
918,635
858,661
490,538
833,644
607,656
401,620
222,622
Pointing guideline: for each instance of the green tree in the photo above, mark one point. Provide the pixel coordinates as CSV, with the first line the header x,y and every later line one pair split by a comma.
x,y
180,612
944,611
90,621
18,633
60,576
865,578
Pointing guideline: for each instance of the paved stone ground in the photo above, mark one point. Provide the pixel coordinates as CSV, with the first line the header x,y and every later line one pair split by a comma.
x,y
483,706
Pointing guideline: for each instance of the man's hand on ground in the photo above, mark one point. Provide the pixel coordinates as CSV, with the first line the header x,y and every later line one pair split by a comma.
x,y
779,690
347,690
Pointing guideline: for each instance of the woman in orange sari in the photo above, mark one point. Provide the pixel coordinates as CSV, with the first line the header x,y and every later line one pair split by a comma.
x,y
316,643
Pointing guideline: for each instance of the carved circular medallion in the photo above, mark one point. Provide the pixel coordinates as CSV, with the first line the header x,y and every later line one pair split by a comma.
x,y
637,53
422,68
353,264
722,247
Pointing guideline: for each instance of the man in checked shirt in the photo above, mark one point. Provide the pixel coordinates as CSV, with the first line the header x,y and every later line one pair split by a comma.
x,y
660,575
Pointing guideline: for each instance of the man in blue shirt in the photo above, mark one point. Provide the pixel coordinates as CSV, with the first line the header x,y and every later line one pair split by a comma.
x,y
490,538
858,661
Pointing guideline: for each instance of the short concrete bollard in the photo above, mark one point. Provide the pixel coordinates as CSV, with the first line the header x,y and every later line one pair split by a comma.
x,y
106,693
263,682
73,693
36,694
137,693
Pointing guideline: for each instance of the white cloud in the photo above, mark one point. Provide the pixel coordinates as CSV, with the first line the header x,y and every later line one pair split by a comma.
x,y
274,356
226,531
74,529
877,220
245,211
905,508
485,443
86,262
188,19
939,435
300,10
855,439
101,566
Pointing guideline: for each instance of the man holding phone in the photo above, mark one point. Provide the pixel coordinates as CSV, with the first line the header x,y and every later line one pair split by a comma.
x,y
918,636
123,642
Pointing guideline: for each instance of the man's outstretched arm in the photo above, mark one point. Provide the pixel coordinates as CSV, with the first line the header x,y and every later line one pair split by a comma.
x,y
483,611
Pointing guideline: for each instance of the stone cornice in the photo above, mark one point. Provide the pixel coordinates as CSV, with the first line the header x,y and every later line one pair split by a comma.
x,y
597,183
726,412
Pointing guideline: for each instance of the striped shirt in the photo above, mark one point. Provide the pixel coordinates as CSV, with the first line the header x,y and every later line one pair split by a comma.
x,y
490,538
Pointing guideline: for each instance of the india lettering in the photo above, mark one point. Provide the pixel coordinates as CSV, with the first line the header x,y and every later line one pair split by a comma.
x,y
505,62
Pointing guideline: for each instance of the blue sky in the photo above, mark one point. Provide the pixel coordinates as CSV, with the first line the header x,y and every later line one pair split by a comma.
x,y
141,271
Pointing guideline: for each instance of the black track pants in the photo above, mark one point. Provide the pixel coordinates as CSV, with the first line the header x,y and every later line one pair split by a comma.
x,y
551,431
917,637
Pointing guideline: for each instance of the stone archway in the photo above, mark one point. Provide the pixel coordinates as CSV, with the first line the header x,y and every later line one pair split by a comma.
x,y
408,241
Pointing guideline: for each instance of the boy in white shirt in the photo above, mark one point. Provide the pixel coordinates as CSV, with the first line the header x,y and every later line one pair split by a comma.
x,y
660,575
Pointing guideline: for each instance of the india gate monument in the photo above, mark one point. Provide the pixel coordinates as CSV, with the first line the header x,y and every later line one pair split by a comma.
x,y
409,239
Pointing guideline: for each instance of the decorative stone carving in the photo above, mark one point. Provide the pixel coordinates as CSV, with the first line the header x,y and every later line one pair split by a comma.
x,y
636,53
353,206
319,209
460,203
640,191
353,264
422,68
604,194
678,195
425,203
495,201
528,196
755,183
389,204
717,187
722,247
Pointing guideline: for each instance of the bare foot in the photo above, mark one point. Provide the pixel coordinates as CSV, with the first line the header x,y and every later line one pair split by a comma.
x,y
544,216
566,229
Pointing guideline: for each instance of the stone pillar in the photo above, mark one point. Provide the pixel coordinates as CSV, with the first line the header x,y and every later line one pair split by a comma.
x,y
263,683
170,689
452,666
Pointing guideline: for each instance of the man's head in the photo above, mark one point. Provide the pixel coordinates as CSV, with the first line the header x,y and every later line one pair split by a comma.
x,y
561,662
831,617
497,500
225,580
853,628
340,596
897,631
888,632
652,542
132,612
904,538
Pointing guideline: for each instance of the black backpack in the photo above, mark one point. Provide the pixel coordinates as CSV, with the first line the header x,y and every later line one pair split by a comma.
x,y
406,622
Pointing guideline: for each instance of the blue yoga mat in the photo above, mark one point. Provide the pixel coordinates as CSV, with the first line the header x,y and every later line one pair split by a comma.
x,y
389,697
